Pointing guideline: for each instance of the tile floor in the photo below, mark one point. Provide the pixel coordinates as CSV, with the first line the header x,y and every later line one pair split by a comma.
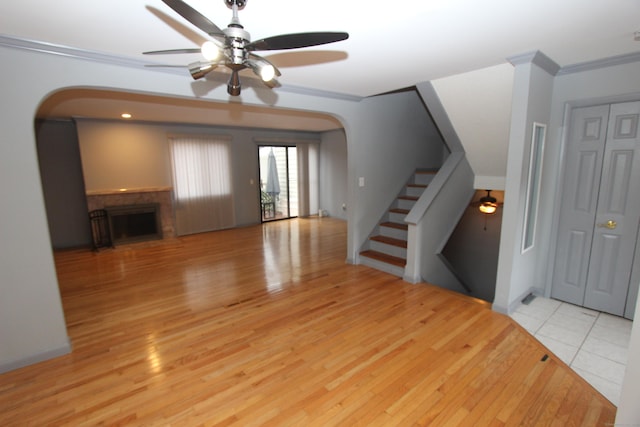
x,y
593,344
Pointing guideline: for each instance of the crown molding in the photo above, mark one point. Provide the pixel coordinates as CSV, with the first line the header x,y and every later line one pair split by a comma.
x,y
538,58
320,93
601,63
554,69
88,55
69,52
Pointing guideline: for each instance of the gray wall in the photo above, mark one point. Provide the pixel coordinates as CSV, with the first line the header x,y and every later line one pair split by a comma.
x,y
472,249
63,184
333,174
395,137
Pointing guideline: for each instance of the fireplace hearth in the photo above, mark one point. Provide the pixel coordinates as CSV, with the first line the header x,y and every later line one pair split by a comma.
x,y
134,223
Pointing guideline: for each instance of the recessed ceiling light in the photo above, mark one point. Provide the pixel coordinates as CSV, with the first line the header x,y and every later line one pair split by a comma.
x,y
125,115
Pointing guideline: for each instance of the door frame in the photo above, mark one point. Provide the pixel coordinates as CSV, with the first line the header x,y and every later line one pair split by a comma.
x,y
259,145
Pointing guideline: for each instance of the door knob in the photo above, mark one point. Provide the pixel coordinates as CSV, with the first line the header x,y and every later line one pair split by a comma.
x,y
611,224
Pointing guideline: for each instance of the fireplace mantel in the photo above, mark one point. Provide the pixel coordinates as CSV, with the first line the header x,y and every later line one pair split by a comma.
x,y
128,191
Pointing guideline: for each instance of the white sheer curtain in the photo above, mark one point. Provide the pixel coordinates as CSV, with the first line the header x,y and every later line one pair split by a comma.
x,y
308,179
202,183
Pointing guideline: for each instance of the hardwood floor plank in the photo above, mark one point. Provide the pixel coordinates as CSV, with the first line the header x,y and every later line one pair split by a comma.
x,y
490,404
267,325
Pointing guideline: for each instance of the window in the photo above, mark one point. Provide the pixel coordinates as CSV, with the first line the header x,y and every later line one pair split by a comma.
x,y
533,185
201,167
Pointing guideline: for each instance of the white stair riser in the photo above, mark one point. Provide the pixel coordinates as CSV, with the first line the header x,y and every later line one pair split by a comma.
x,y
382,266
388,249
397,217
393,232
423,178
405,204
414,191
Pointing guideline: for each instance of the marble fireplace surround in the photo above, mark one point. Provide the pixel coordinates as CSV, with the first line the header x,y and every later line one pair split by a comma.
x,y
138,196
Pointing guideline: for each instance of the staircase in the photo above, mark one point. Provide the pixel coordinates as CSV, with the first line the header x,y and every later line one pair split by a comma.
x,y
386,248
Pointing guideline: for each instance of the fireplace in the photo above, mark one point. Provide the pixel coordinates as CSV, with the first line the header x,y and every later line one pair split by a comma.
x,y
134,223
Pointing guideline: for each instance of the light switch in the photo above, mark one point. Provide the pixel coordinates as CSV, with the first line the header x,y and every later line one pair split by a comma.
x,y
361,181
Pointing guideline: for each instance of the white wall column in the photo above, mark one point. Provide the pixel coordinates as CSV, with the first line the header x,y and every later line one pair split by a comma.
x,y
532,95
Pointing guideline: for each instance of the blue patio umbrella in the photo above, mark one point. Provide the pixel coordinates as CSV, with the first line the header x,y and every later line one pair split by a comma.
x,y
273,183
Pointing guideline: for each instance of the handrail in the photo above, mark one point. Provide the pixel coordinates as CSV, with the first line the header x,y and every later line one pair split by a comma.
x,y
435,186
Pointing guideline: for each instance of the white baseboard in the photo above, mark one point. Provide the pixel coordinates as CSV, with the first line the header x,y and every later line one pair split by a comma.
x,y
513,305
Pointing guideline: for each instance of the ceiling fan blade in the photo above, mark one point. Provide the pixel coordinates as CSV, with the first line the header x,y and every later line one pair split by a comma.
x,y
165,66
297,40
195,17
170,51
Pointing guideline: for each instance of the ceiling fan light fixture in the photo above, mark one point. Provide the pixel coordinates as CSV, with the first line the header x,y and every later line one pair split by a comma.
x,y
488,208
210,51
267,73
488,204
264,70
200,69
232,47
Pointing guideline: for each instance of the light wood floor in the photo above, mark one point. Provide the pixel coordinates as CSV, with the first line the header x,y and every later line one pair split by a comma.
x,y
267,325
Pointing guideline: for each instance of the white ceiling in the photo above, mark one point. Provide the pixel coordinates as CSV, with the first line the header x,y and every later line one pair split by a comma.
x,y
392,45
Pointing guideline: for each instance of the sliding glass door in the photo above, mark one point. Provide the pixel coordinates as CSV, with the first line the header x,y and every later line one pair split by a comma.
x,y
278,182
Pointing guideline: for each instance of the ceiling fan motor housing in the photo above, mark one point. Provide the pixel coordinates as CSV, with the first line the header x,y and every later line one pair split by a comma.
x,y
236,40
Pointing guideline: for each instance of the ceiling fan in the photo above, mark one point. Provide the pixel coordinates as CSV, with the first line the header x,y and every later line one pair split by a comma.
x,y
233,48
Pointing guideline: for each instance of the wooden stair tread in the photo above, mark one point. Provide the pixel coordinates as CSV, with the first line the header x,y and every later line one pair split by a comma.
x,y
417,185
399,211
394,225
390,241
389,259
427,171
404,197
